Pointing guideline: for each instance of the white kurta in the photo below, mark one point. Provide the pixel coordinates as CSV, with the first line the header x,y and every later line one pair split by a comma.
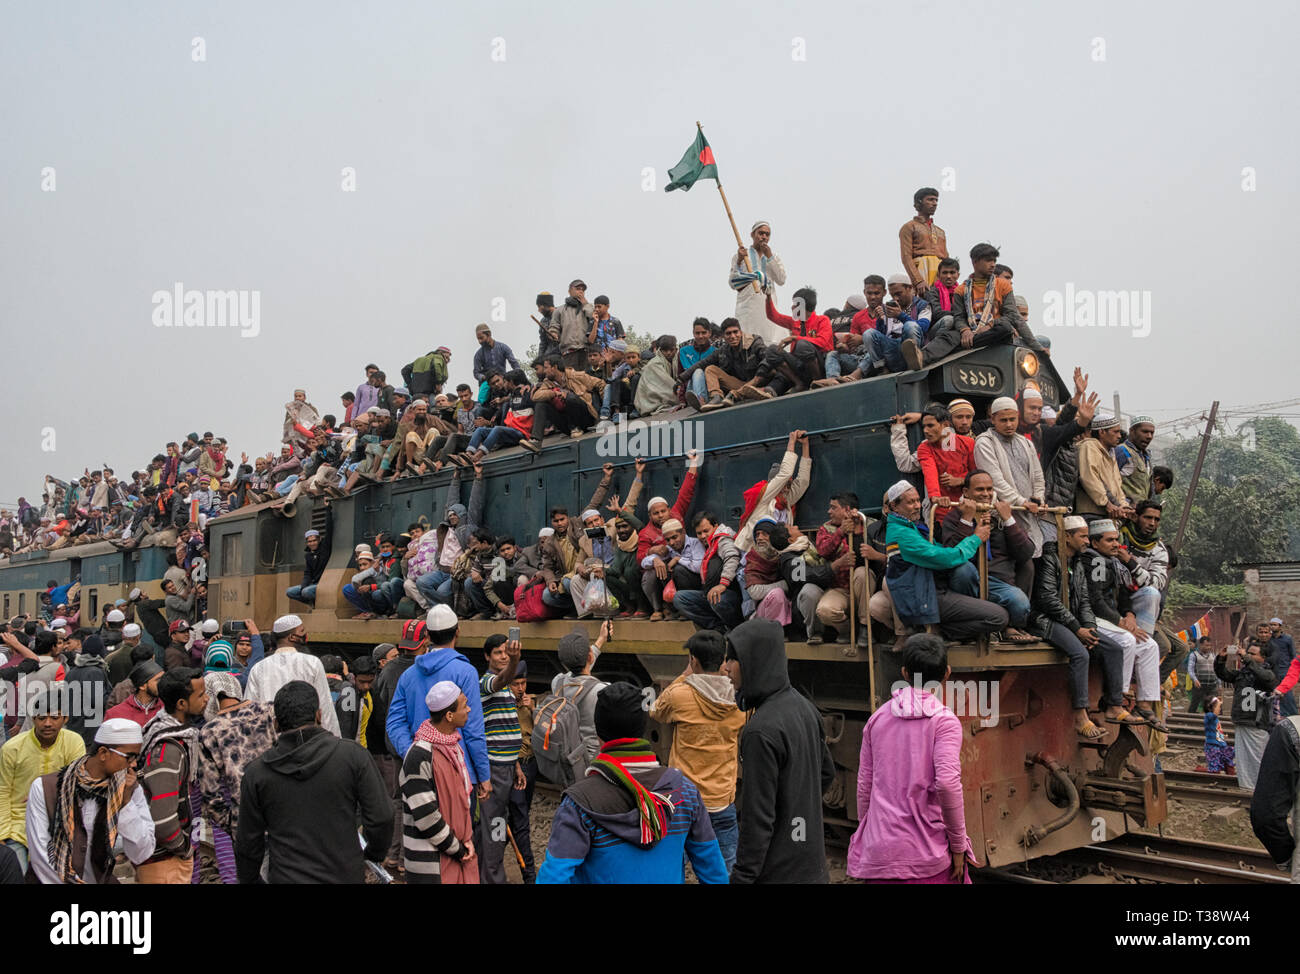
x,y
135,832
284,666
751,305
1017,474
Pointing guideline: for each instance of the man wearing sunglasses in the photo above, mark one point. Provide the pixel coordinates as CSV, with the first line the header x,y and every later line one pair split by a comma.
x,y
575,318
110,810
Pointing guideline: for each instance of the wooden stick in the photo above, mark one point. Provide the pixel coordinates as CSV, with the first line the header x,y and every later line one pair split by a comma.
x,y
734,229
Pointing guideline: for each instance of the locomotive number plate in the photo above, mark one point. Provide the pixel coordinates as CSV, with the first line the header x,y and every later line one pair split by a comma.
x,y
977,379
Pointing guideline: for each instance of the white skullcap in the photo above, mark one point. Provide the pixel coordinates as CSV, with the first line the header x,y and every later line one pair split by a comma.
x,y
115,615
1049,412
1031,393
899,279
441,695
361,547
672,524
130,630
1275,619
210,627
858,302
1074,522
285,624
545,533
119,730
654,501
135,593
589,512
441,618
1002,404
898,490
59,623
1101,526
760,223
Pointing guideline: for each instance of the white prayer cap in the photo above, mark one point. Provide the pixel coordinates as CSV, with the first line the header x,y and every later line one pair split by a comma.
x,y
589,513
134,594
1074,522
119,730
441,695
672,524
1031,393
210,627
1275,621
361,547
545,533
440,619
1139,420
654,501
899,279
760,223
115,616
285,624
59,623
1049,412
130,630
858,302
898,490
1104,421
1101,526
1003,403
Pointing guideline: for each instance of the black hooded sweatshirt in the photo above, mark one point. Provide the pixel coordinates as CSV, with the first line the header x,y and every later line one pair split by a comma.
x,y
301,801
785,766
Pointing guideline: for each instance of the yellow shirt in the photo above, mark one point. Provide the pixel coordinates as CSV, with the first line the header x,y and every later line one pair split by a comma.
x,y
364,722
22,761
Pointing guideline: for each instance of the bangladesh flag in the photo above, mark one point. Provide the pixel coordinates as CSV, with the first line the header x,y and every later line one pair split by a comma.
x,y
697,163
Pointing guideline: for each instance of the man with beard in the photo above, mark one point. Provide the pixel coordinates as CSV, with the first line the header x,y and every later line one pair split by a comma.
x,y
1012,462
1134,458
170,766
767,270
290,662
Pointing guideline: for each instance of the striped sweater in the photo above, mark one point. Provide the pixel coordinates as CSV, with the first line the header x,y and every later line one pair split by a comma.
x,y
166,781
426,834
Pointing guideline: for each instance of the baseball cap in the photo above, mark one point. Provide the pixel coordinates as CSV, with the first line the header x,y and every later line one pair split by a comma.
x,y
180,625
412,634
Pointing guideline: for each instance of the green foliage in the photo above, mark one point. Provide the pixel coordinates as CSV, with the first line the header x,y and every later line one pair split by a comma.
x,y
1182,594
1247,503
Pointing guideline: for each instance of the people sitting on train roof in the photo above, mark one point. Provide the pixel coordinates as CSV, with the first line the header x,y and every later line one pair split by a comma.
x,y
562,402
903,316
983,311
796,361
623,365
734,367
1008,552
847,361
656,390
938,293
693,358
917,590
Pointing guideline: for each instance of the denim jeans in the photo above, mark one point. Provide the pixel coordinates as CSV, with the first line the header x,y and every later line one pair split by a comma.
x,y
842,363
882,348
474,592
361,600
699,386
302,593
563,601
491,438
436,586
695,606
386,597
966,581
286,485
727,831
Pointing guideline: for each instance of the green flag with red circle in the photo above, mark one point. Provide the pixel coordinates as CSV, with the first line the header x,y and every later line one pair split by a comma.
x,y
696,164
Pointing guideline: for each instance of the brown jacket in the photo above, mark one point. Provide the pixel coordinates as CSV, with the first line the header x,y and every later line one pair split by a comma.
x,y
560,554
707,722
581,384
1099,479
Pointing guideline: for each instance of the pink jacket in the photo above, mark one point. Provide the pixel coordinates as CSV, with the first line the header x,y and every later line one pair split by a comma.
x,y
910,810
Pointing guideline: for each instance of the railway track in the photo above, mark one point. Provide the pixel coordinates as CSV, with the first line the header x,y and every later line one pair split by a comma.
x,y
1137,858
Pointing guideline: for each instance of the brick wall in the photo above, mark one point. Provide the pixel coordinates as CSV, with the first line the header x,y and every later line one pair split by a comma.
x,y
1264,600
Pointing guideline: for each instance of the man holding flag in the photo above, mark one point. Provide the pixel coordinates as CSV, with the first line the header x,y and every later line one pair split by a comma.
x,y
755,271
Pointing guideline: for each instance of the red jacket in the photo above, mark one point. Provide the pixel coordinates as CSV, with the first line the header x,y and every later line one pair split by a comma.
x,y
649,536
817,329
934,461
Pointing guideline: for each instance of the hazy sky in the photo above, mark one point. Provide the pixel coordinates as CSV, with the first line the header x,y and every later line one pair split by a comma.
x,y
481,179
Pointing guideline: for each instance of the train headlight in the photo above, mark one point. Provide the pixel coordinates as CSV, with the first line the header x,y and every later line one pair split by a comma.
x,y
1029,364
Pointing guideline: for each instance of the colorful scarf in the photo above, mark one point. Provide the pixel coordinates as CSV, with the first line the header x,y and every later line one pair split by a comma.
x,y
711,548
945,295
74,786
1134,539
449,745
985,314
742,278
613,762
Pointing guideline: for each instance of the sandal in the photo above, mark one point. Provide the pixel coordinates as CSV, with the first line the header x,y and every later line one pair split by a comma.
x,y
1090,731
1124,717
656,617
1149,718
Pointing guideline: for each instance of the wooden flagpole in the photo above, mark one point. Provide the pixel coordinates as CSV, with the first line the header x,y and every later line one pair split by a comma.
x,y
734,229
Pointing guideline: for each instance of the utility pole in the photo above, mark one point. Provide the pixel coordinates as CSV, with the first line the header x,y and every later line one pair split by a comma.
x,y
1196,475
1118,414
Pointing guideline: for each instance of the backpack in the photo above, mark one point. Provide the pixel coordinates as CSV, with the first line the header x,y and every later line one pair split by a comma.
x,y
557,738
529,606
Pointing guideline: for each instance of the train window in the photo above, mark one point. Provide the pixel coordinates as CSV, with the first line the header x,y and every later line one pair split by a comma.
x,y
22,603
114,574
7,616
232,554
94,604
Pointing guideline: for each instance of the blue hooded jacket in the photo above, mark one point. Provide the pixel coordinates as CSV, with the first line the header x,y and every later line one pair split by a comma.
x,y
407,711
